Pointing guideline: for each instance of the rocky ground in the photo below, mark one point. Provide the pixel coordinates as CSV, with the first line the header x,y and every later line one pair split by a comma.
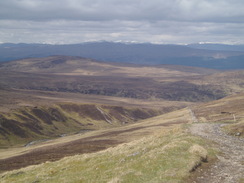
x,y
229,167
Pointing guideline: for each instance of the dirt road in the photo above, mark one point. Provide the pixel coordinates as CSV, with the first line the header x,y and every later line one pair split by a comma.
x,y
229,167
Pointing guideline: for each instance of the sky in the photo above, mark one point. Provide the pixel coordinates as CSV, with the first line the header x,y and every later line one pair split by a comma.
x,y
154,21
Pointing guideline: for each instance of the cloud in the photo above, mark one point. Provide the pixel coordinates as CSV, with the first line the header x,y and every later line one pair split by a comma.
x,y
161,21
98,10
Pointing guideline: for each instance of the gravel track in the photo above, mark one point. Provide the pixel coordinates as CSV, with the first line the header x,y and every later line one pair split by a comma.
x,y
229,168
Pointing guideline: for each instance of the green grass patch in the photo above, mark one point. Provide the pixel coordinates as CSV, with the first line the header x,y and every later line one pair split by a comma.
x,y
166,157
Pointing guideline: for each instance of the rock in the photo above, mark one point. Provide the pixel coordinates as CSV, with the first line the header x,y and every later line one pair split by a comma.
x,y
238,134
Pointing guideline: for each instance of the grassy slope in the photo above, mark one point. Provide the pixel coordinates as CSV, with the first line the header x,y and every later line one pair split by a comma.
x,y
168,154
236,129
229,109
32,123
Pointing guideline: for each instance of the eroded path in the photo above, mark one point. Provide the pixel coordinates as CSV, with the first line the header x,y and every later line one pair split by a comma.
x,y
229,167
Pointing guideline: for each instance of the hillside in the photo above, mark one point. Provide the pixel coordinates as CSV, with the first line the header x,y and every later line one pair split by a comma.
x,y
76,108
212,46
95,140
26,124
79,75
229,110
69,65
149,150
148,54
39,87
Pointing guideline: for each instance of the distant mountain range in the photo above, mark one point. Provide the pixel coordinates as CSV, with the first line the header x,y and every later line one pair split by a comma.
x,y
215,56
222,47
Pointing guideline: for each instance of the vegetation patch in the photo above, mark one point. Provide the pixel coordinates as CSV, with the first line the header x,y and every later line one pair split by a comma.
x,y
26,124
168,156
236,129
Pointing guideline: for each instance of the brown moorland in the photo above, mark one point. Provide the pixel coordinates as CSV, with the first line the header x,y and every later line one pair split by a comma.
x,y
107,104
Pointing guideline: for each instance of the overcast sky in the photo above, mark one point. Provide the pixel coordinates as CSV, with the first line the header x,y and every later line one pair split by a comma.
x,y
155,21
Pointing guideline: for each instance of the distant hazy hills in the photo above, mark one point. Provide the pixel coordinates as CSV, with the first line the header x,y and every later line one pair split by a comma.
x,y
222,47
199,55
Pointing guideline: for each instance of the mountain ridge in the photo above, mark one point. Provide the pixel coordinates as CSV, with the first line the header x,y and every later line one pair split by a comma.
x,y
149,54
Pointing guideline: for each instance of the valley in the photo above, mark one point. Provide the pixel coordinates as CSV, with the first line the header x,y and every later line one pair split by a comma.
x,y
60,113
89,142
79,75
164,136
